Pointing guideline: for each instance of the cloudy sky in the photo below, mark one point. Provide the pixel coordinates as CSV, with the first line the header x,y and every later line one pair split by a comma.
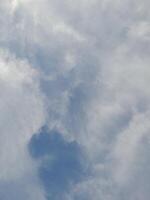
x,y
74,100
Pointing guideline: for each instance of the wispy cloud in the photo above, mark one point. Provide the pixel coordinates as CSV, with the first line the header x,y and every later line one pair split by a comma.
x,y
81,68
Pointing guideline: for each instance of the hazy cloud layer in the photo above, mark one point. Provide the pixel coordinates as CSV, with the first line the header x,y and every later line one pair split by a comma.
x,y
82,68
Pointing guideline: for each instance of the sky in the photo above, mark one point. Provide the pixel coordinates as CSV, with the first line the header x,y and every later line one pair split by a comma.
x,y
74,100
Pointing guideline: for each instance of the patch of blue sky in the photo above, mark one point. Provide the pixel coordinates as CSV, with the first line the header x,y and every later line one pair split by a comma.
x,y
62,163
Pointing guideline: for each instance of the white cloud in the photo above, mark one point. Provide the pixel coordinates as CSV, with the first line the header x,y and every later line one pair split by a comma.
x,y
21,115
93,58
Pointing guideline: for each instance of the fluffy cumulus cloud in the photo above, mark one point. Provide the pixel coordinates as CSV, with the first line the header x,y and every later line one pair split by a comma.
x,y
81,69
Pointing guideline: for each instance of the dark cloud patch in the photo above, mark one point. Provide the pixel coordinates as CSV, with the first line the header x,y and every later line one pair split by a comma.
x,y
61,162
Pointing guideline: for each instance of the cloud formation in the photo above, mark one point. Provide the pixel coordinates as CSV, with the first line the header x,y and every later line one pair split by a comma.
x,y
87,64
22,113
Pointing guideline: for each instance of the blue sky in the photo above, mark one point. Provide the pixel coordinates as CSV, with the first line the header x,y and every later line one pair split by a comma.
x,y
61,163
74,100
